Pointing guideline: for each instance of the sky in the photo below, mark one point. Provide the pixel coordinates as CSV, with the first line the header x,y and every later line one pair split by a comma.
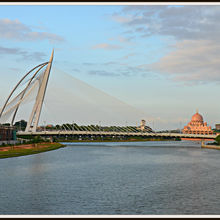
x,y
160,59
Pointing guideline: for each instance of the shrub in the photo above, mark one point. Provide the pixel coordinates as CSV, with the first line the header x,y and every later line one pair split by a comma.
x,y
217,139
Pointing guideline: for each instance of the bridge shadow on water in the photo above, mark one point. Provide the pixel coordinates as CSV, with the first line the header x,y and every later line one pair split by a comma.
x,y
140,144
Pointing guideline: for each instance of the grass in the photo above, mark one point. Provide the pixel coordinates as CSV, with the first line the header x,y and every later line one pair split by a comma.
x,y
35,150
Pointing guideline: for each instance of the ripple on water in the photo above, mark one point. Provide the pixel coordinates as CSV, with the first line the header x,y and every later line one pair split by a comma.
x,y
113,178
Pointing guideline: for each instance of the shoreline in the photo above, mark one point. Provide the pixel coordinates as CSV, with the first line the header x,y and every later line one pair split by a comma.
x,y
27,149
216,147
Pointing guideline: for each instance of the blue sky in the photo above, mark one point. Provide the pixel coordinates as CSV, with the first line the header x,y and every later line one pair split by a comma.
x,y
163,60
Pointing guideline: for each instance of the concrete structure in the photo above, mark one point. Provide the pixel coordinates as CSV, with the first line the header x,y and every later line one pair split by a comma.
x,y
195,129
143,127
143,124
13,104
110,133
7,134
217,126
197,126
35,115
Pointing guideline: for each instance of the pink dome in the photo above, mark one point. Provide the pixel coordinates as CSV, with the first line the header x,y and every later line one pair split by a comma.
x,y
197,118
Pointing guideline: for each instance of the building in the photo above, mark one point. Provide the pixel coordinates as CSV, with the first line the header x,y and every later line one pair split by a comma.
x,y
143,124
197,126
7,134
143,127
217,126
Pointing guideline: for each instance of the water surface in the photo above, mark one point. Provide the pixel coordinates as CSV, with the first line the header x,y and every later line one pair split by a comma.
x,y
134,178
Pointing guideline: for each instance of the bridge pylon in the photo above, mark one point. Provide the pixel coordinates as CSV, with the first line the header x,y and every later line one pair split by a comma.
x,y
35,114
12,104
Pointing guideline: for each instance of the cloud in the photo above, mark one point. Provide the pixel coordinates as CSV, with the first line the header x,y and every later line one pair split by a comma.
x,y
34,36
130,71
23,54
110,63
191,61
194,32
5,50
15,30
181,22
121,19
128,55
121,70
106,46
121,39
33,55
102,73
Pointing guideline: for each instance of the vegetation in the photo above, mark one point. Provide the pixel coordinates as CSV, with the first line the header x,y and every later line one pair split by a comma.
x,y
217,139
27,139
215,131
37,148
20,125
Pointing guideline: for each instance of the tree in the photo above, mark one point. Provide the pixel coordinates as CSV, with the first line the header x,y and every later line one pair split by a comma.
x,y
20,125
6,124
217,139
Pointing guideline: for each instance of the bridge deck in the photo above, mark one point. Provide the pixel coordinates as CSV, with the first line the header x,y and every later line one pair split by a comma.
x,y
104,133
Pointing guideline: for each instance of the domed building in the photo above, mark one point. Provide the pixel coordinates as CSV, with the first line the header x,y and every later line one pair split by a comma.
x,y
143,127
197,126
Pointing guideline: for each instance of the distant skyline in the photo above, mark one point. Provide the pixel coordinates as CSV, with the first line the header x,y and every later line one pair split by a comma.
x,y
161,59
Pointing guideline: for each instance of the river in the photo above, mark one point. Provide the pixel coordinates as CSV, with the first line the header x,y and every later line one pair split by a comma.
x,y
123,178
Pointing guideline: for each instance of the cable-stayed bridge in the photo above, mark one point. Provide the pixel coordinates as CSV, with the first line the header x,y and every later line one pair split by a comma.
x,y
38,81
111,133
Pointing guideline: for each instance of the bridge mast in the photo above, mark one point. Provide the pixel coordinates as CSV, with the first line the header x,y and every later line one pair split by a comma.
x,y
35,114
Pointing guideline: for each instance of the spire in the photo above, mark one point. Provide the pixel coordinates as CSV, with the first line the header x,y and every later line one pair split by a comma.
x,y
197,111
51,57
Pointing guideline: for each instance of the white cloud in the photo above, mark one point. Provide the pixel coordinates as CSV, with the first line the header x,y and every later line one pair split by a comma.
x,y
103,73
191,61
195,31
182,22
23,54
15,30
121,19
106,46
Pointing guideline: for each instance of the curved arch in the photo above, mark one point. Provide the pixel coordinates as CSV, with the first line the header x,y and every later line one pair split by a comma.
x,y
19,84
35,114
24,91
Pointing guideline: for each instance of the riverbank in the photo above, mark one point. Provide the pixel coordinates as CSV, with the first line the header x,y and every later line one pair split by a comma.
x,y
27,149
216,147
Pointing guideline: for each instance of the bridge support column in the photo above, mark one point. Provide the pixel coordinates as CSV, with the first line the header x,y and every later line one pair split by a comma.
x,y
35,114
202,143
